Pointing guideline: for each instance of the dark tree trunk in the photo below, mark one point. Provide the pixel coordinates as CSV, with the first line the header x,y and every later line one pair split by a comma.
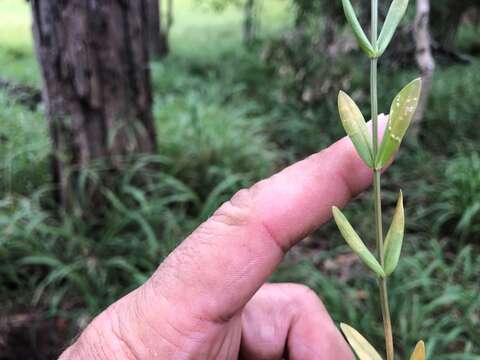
x,y
96,84
249,23
157,36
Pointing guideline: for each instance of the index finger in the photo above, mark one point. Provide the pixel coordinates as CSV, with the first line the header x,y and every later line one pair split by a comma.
x,y
219,267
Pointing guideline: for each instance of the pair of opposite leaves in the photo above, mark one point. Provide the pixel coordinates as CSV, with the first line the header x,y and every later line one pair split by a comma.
x,y
394,16
365,351
401,114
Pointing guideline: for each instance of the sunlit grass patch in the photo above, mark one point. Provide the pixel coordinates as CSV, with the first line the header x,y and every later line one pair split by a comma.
x,y
17,60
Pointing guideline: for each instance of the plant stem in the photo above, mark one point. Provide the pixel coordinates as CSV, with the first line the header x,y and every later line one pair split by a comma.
x,y
377,188
374,23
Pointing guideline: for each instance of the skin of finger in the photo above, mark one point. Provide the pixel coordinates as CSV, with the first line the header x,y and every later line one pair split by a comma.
x,y
218,268
129,330
290,320
214,273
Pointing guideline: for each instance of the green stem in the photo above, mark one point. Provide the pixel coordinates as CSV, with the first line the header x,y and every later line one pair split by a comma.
x,y
387,324
374,23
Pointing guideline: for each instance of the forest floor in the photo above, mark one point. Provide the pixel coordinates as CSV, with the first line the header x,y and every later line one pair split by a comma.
x,y
227,117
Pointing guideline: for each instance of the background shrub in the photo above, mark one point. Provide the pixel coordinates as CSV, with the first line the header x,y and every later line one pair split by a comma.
x,y
457,202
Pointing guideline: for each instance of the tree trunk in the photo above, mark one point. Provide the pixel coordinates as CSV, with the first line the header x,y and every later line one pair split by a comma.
x,y
249,23
96,84
424,57
157,39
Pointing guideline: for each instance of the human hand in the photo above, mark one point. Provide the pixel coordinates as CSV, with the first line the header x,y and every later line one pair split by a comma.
x,y
209,300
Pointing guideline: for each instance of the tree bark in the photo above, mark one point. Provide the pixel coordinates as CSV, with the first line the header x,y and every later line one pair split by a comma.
x,y
157,37
424,57
96,84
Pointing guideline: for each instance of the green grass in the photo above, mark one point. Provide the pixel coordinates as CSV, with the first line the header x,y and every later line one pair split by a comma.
x,y
24,148
17,60
455,107
227,117
457,209
433,292
201,33
467,38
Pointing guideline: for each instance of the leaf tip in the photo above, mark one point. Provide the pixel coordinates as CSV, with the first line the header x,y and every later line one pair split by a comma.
x,y
359,344
343,98
416,84
419,351
347,329
400,206
335,211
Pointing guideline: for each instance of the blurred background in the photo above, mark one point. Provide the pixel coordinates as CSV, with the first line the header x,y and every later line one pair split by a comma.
x,y
230,92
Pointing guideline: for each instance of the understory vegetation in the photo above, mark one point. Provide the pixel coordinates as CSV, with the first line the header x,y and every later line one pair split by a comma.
x,y
227,117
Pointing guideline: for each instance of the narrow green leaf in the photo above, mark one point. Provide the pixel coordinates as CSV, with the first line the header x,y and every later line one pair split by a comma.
x,y
394,239
354,124
419,352
41,260
357,28
401,113
395,14
363,349
354,241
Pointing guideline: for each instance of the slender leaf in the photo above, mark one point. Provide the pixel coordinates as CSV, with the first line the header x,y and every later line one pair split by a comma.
x,y
363,349
394,239
356,243
354,124
352,19
419,352
395,14
401,113
41,260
